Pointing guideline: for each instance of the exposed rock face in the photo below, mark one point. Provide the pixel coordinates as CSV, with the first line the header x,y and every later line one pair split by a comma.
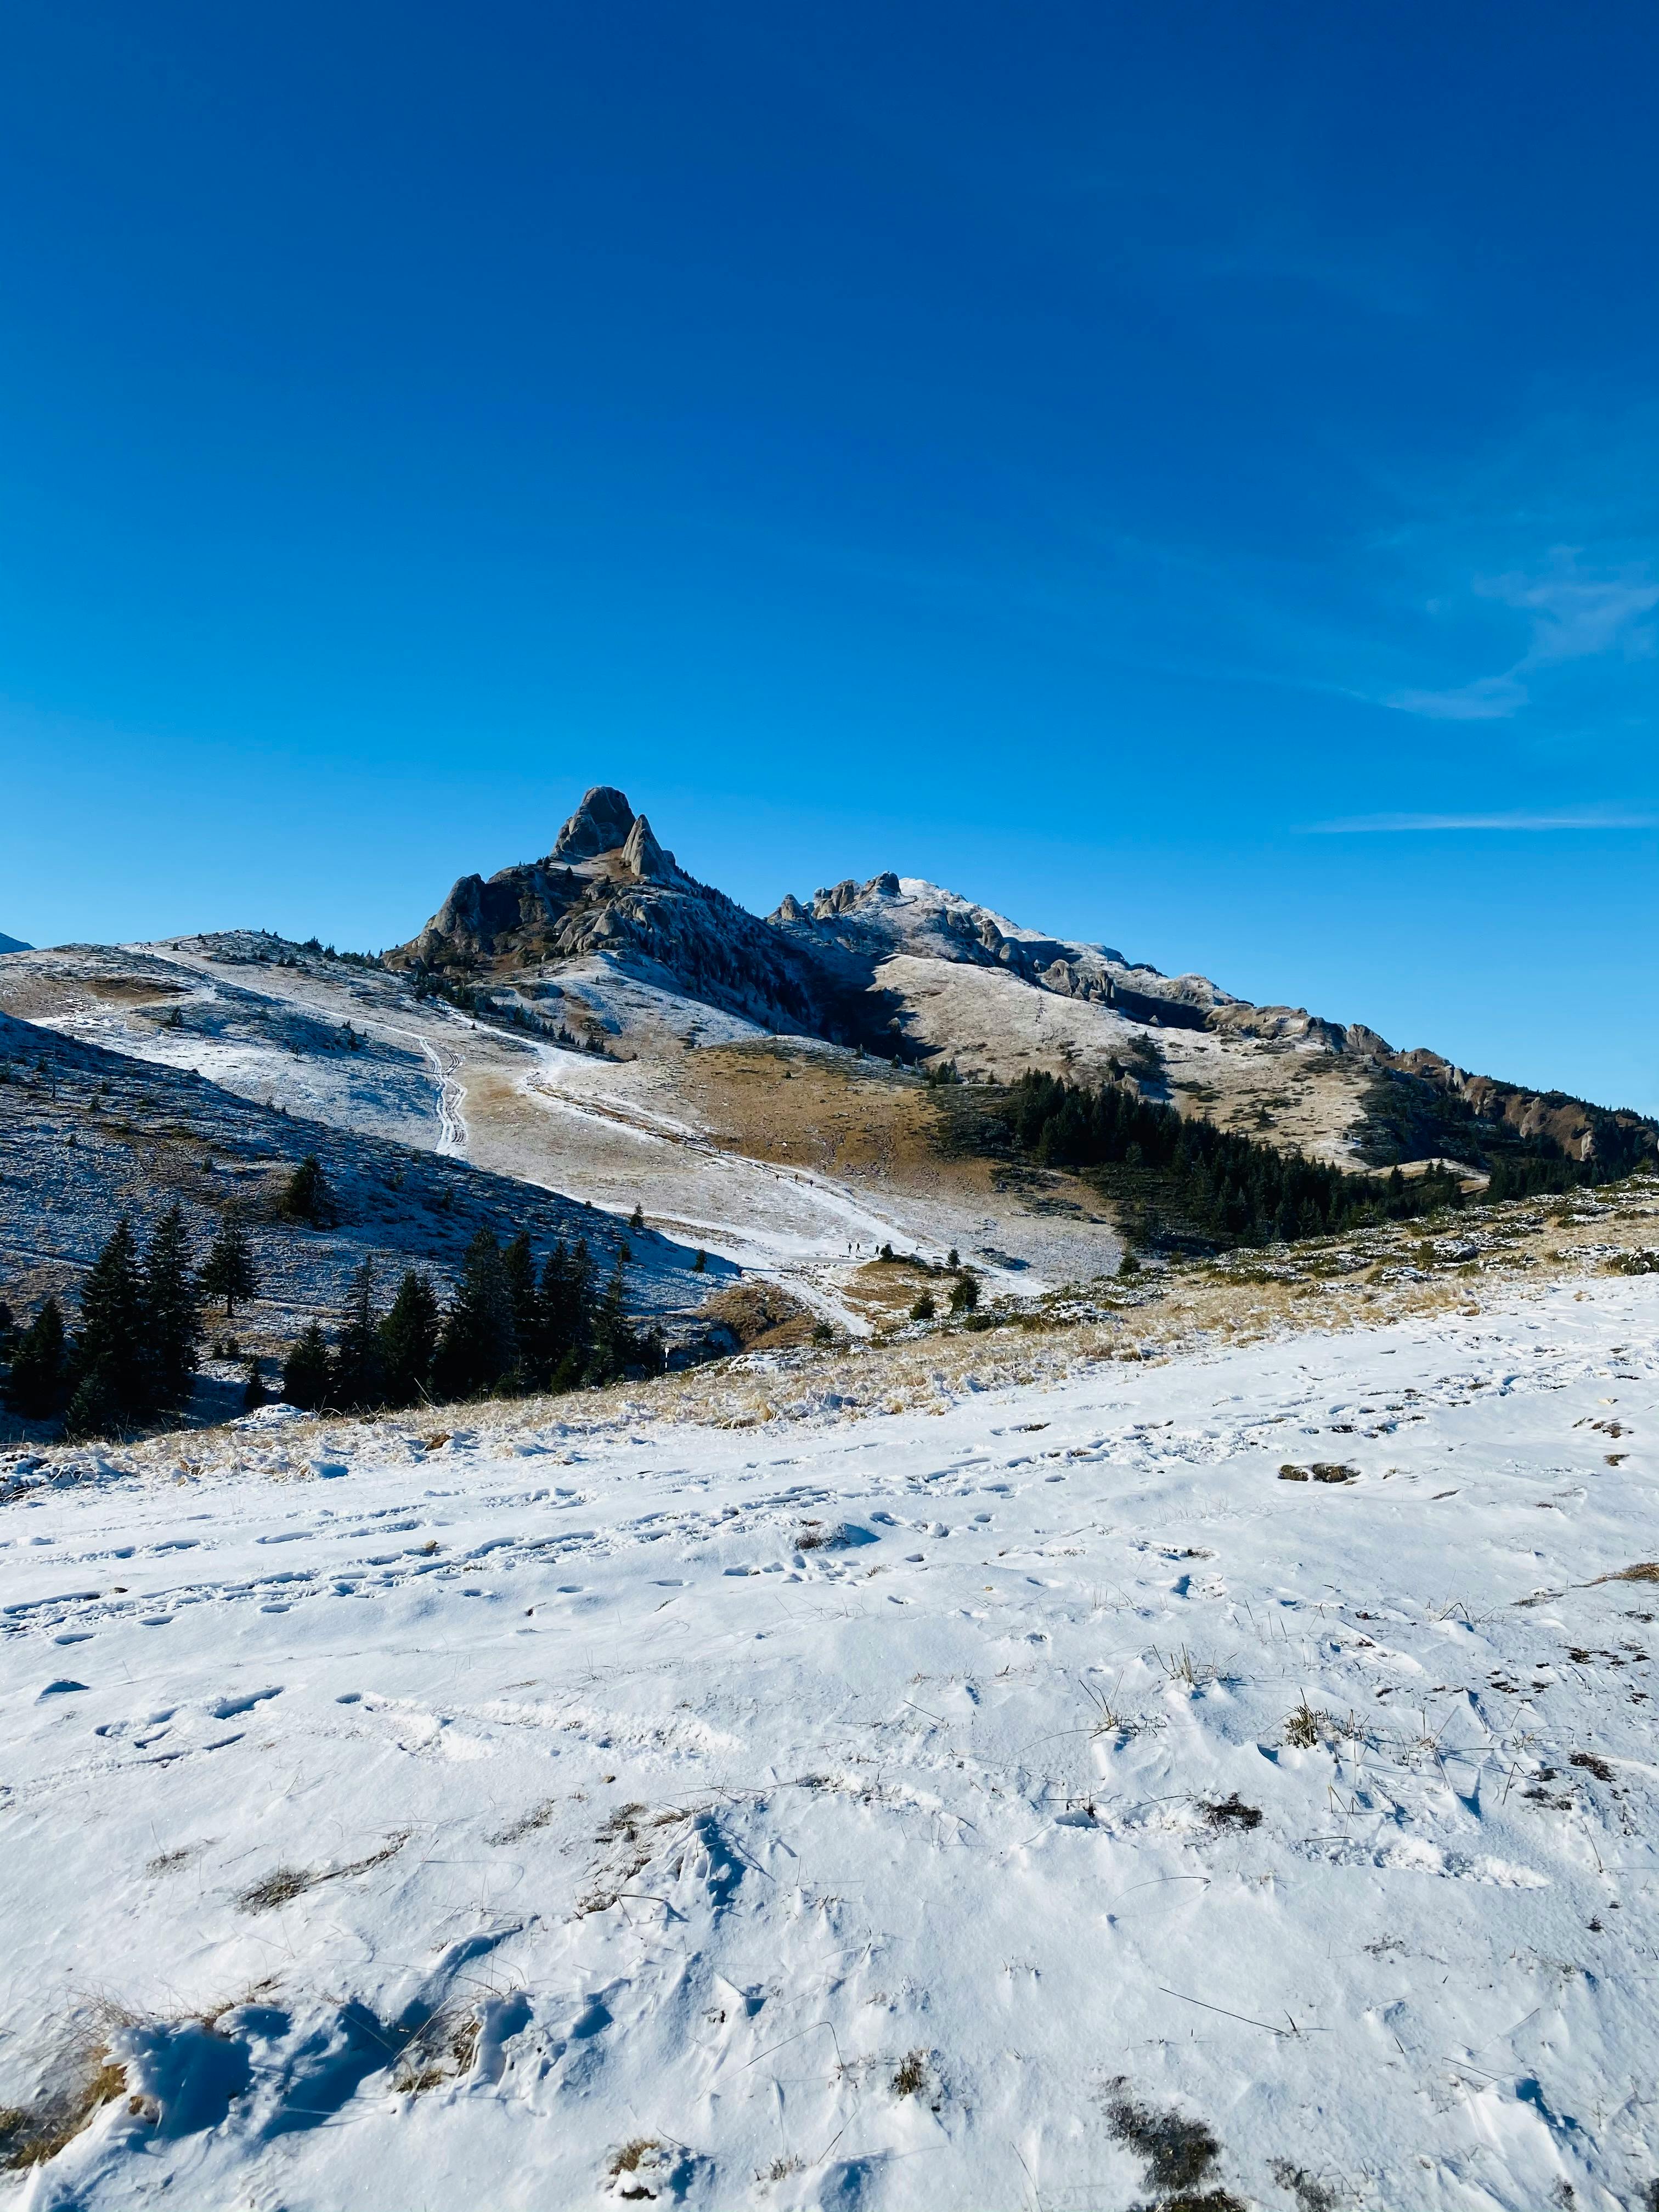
x,y
608,888
857,924
643,856
599,824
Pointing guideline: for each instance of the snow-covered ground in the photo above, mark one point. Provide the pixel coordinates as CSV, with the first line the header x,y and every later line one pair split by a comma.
x,y
1041,1802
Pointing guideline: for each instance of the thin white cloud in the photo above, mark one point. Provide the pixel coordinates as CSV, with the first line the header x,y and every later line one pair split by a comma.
x,y
1488,699
1575,616
1583,817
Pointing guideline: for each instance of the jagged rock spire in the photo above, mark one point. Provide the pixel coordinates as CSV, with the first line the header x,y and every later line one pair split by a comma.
x,y
643,854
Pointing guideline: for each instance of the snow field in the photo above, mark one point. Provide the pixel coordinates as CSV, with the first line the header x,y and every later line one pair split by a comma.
x,y
836,1815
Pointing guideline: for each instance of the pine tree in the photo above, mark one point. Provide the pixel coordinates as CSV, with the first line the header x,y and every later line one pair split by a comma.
x,y
353,1375
613,1347
229,1272
253,1389
409,1339
111,1347
567,1297
173,1316
305,1371
306,1195
480,1342
636,1218
93,1410
35,1389
518,1267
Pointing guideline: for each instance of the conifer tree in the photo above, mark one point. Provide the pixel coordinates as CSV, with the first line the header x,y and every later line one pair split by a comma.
x,y
306,1195
479,1346
519,1269
172,1315
253,1389
93,1410
229,1272
567,1312
612,1346
305,1371
409,1339
35,1387
111,1349
354,1376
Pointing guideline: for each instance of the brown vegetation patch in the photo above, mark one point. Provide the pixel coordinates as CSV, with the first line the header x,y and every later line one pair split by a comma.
x,y
762,1317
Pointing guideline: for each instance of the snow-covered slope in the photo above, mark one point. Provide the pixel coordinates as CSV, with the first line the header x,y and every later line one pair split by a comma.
x,y
1035,1801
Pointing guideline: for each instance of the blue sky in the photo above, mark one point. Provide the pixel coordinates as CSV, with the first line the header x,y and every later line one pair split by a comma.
x,y
1186,476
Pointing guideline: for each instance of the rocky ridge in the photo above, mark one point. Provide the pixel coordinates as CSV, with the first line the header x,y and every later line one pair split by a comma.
x,y
852,966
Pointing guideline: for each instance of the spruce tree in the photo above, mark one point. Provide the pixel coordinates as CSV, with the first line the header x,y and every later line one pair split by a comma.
x,y
253,1389
409,1340
229,1272
566,1312
35,1387
353,1383
519,1269
305,1371
612,1346
111,1347
93,1409
173,1316
480,1342
306,1195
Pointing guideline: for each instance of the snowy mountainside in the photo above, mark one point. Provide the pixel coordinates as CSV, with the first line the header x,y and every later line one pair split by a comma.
x,y
1048,1796
789,1156
88,1135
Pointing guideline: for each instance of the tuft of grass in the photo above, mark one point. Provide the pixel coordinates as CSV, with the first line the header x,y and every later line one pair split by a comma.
x,y
442,2051
1180,2154
279,1888
286,1883
911,2077
1181,1667
1309,1726
646,2155
1231,1812
1310,2195
30,2134
526,1823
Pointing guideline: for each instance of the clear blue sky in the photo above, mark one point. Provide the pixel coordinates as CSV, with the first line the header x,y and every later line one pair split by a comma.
x,y
1187,475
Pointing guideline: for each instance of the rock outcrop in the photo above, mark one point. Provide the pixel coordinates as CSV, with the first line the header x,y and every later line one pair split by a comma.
x,y
609,889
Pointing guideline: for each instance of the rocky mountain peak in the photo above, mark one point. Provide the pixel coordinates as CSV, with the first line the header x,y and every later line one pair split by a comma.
x,y
600,824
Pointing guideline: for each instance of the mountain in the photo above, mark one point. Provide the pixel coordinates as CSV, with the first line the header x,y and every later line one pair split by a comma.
x,y
13,944
789,1094
927,976
607,889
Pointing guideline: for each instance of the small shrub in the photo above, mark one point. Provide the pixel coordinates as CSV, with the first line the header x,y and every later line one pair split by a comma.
x,y
304,1196
924,1309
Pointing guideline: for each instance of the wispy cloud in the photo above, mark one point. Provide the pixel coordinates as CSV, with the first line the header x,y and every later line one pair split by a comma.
x,y
1581,817
1575,616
